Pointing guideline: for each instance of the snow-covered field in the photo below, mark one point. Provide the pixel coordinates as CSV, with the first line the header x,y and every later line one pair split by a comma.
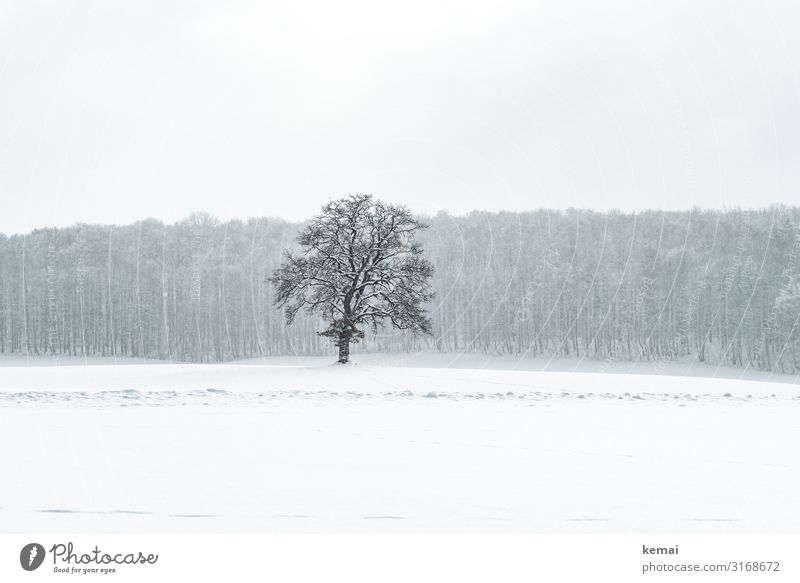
x,y
428,443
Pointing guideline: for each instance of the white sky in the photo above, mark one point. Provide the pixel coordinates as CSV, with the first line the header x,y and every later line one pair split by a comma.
x,y
116,111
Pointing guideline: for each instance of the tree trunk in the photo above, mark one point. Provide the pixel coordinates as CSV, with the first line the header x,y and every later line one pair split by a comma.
x,y
344,348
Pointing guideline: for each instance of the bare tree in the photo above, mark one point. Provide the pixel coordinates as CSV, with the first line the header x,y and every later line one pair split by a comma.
x,y
719,286
360,265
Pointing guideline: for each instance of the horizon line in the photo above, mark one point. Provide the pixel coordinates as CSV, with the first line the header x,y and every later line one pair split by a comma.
x,y
234,218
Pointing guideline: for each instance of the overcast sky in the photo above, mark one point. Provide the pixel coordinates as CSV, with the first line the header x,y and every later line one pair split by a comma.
x,y
116,111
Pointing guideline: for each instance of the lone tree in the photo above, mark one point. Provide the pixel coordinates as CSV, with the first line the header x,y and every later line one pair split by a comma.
x,y
359,265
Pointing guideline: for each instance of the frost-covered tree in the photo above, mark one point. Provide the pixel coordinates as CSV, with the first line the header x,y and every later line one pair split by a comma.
x,y
359,265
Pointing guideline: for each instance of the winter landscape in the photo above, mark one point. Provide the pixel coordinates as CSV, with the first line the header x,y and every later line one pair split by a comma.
x,y
395,443
153,388
432,268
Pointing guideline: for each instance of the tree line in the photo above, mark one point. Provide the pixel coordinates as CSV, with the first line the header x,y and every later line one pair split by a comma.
x,y
722,287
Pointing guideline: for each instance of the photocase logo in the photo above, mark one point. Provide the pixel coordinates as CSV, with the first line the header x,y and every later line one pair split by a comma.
x,y
31,556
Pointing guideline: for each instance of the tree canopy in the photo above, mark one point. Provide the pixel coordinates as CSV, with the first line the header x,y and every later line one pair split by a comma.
x,y
359,264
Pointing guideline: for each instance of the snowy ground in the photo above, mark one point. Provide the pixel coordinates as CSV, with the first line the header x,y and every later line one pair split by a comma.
x,y
395,443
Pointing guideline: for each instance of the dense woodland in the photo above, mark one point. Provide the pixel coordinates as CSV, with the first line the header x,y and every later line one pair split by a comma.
x,y
719,286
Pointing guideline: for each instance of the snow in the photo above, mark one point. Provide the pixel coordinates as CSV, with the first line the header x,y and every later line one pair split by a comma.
x,y
393,444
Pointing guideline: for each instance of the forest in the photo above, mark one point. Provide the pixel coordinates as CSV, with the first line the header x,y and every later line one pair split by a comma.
x,y
719,286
